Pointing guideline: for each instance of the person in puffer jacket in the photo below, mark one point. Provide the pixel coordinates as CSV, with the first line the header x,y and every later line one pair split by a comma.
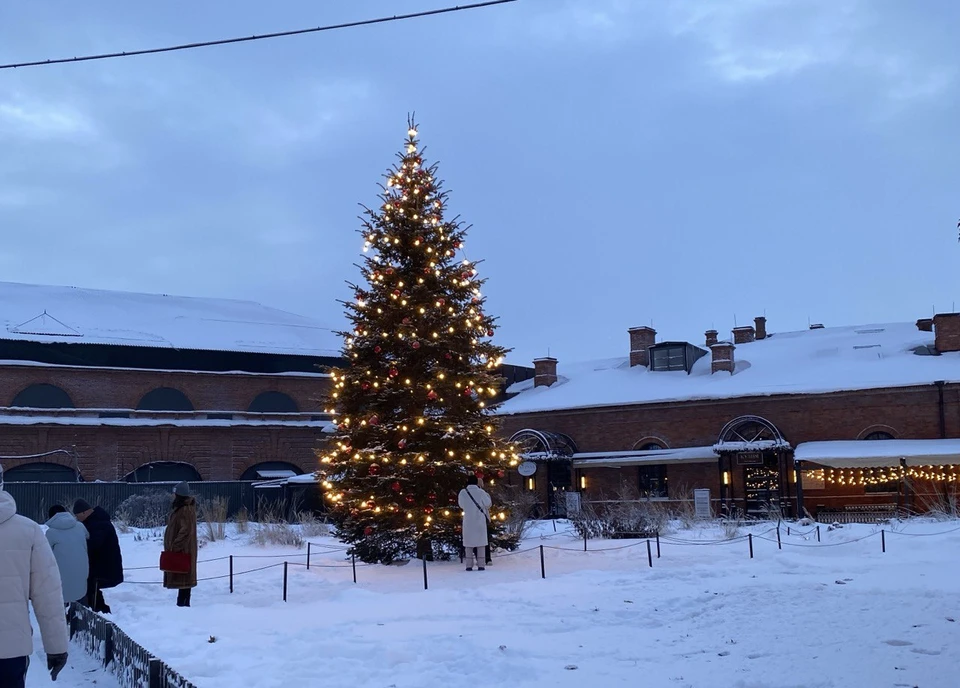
x,y
28,573
68,540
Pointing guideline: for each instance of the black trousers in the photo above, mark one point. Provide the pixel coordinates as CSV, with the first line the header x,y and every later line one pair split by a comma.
x,y
94,598
13,672
183,597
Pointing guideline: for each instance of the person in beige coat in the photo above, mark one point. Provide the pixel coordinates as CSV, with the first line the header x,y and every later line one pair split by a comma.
x,y
181,537
28,573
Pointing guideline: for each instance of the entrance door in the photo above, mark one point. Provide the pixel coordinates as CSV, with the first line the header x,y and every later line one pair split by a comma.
x,y
559,480
762,487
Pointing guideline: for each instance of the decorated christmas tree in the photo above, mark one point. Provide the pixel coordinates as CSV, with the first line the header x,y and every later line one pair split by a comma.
x,y
412,406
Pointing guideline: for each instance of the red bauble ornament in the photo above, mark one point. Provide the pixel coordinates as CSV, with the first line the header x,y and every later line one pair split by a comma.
x,y
409,499
500,474
396,292
394,372
432,497
448,355
431,395
402,444
467,392
374,420
428,509
441,301
416,345
374,469
395,486
489,333
389,271
364,385
377,349
426,271
475,299
406,321
376,273
458,244
465,275
368,531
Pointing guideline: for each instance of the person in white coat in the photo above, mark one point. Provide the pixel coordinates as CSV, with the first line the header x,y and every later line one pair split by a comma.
x,y
68,540
28,573
475,504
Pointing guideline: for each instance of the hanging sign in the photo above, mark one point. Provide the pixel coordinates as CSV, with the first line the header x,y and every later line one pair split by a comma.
x,y
749,459
527,468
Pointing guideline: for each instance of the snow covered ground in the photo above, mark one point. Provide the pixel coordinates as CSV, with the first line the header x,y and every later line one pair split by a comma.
x,y
82,670
834,614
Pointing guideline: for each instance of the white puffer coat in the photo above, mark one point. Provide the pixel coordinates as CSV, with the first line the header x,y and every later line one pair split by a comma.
x,y
68,540
28,572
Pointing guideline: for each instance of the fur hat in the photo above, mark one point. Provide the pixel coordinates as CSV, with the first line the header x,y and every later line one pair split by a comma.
x,y
182,490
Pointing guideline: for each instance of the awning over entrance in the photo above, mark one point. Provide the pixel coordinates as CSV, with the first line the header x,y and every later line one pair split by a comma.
x,y
879,453
642,458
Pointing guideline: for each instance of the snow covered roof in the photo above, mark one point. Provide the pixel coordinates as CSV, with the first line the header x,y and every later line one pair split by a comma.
x,y
806,362
635,458
879,453
39,313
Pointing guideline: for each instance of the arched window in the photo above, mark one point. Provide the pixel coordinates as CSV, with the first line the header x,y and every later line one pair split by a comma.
x,y
271,470
40,473
750,433
43,396
165,399
879,435
273,402
164,472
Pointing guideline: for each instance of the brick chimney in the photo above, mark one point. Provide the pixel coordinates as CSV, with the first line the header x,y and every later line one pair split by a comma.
x,y
641,339
722,357
947,329
925,324
544,371
711,336
761,324
744,335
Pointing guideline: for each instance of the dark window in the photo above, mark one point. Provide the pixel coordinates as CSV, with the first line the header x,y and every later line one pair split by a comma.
x,y
650,446
165,399
219,416
273,402
40,473
268,470
114,414
164,472
669,358
43,396
879,435
653,481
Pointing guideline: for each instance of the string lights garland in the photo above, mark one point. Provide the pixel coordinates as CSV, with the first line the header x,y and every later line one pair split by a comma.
x,y
411,409
884,475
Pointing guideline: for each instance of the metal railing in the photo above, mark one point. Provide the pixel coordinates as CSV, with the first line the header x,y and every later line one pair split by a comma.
x,y
130,662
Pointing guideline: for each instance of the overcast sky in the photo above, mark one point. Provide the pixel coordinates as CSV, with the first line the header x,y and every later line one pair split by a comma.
x,y
623,162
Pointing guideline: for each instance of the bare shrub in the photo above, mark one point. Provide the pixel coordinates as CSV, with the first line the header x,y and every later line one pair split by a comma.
x,y
625,515
942,505
519,505
311,526
213,516
242,519
684,508
273,528
148,510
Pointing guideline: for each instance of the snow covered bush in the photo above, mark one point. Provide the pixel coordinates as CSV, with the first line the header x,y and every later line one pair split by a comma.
x,y
149,510
625,515
213,515
311,526
519,504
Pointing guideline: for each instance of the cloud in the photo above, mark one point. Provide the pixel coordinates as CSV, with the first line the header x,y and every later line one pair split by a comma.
x,y
37,119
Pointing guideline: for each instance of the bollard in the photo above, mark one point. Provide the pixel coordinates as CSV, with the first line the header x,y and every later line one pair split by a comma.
x,y
543,568
308,556
584,539
284,581
818,533
649,555
883,541
788,531
425,586
658,544
231,573
779,546
750,540
353,563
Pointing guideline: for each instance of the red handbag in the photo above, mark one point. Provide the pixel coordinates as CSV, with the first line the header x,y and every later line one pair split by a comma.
x,y
174,562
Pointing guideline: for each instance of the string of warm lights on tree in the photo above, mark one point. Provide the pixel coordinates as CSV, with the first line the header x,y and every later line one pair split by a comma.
x,y
411,409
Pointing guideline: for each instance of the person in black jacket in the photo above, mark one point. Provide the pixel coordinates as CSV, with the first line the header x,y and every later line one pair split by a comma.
x,y
103,548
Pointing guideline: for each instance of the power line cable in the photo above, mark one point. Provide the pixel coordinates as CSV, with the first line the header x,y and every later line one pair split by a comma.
x,y
260,37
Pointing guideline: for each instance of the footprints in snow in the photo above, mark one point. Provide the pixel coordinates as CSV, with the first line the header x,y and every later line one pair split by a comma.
x,y
915,650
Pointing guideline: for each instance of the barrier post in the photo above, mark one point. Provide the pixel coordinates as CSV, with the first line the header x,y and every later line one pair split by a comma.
x,y
779,545
425,586
658,544
284,581
818,533
231,574
649,555
543,568
353,563
584,539
750,540
883,541
308,556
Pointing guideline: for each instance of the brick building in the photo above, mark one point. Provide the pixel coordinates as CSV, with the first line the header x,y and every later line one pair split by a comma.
x,y
827,419
107,386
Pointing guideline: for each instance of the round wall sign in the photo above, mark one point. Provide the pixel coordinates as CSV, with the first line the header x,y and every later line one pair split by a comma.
x,y
527,468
